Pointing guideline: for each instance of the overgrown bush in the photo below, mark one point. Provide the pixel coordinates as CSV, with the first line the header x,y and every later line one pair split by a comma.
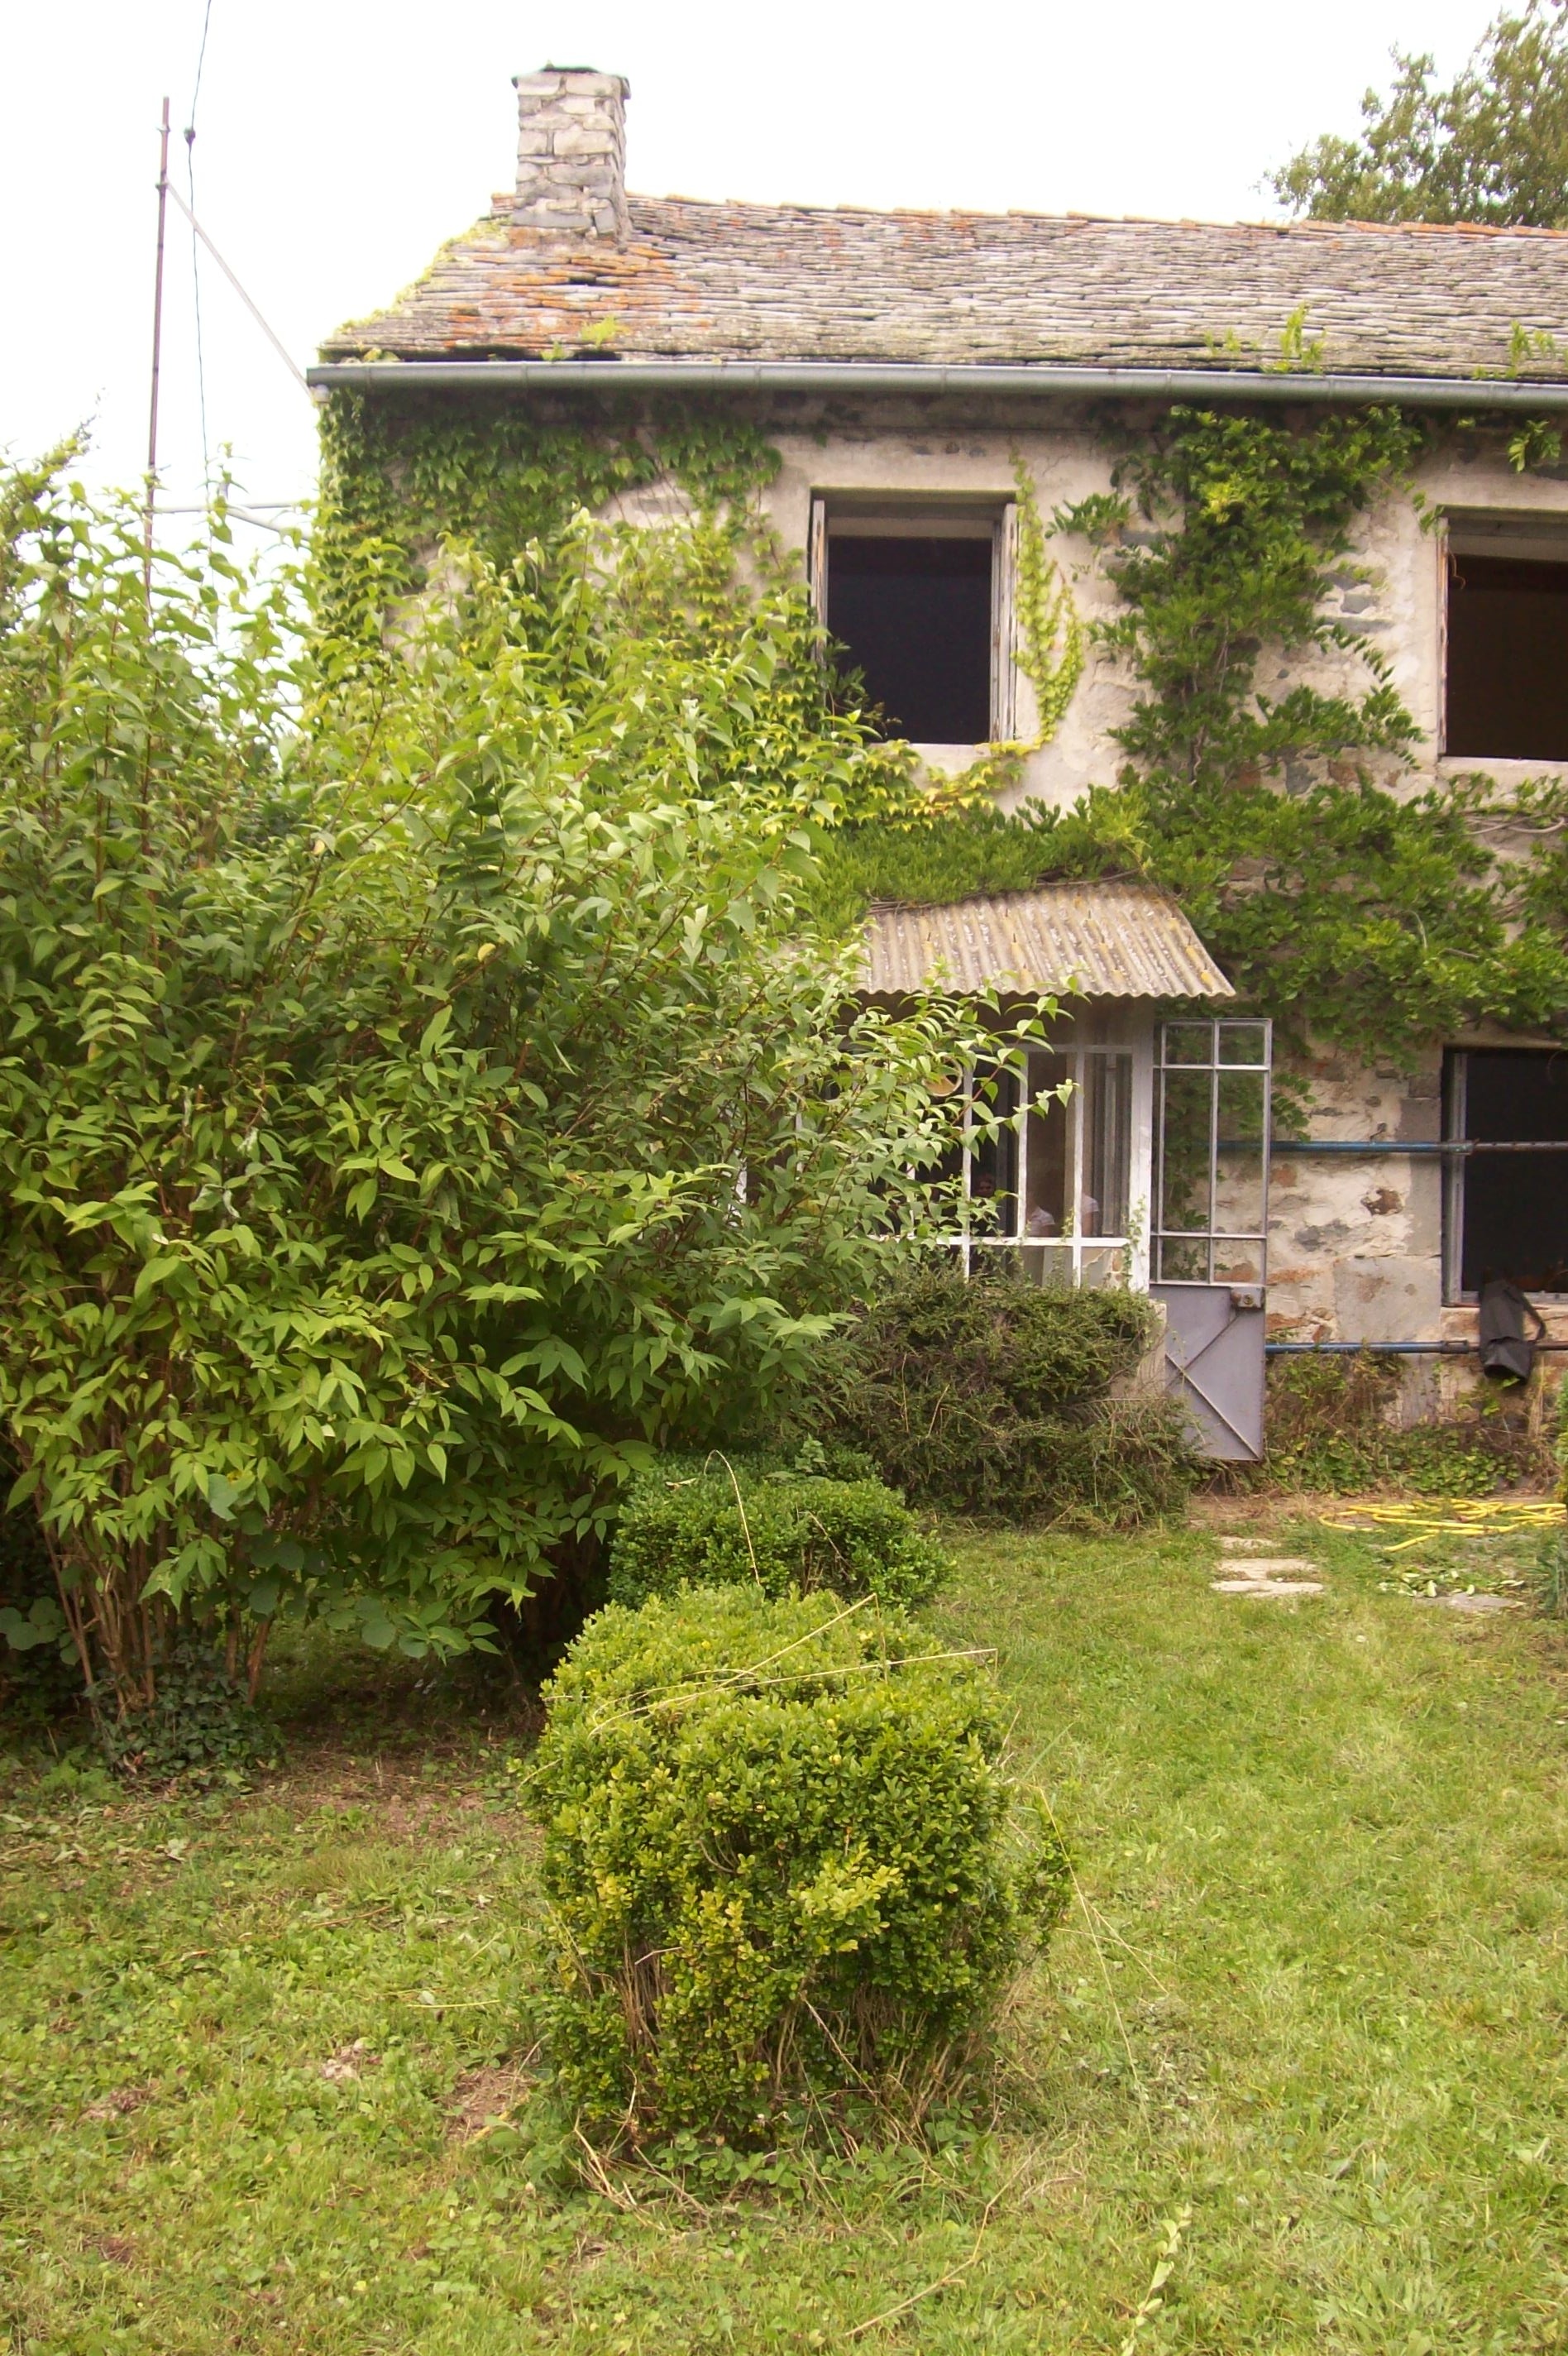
x,y
423,1093
990,1397
778,1864
723,1526
1330,1426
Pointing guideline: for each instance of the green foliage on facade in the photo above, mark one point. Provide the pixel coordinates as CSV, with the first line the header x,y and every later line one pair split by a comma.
x,y
777,1865
1355,910
1491,147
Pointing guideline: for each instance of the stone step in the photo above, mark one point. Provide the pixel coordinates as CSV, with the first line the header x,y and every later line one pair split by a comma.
x,y
1274,1587
1270,1565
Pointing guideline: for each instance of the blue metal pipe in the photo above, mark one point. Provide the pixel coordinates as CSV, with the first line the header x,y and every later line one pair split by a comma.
x,y
1382,1349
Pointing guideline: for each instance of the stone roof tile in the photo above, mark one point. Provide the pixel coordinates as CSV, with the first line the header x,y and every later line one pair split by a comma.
x,y
701,281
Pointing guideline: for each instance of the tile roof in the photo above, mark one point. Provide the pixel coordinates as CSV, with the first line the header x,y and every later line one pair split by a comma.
x,y
698,280
1106,940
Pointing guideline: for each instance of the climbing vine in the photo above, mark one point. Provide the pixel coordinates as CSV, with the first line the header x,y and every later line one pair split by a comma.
x,y
1265,765
1359,911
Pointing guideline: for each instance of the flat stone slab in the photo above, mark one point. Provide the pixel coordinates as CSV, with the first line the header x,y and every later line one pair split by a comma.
x,y
1276,1587
1473,1602
1273,1566
1245,1546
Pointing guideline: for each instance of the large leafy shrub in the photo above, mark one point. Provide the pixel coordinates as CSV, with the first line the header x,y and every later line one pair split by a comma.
x,y
988,1396
419,1092
776,1860
721,1527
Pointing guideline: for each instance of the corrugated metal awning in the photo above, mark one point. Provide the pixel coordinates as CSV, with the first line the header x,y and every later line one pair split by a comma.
x,y
1103,940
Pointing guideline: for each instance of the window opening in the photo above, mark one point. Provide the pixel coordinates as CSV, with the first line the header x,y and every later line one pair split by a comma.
x,y
1506,661
1053,1186
1211,1112
1506,1199
917,606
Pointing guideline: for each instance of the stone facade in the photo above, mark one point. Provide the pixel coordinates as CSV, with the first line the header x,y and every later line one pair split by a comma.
x,y
572,153
1355,1241
770,302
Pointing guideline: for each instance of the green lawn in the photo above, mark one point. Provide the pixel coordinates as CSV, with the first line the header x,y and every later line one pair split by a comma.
x,y
1307,2024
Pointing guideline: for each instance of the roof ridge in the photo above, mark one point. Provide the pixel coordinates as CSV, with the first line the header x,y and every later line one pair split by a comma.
x,y
1304,228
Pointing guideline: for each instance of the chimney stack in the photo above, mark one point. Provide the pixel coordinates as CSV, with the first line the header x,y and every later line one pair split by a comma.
x,y
572,153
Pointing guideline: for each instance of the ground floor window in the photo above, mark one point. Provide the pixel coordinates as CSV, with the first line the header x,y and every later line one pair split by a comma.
x,y
1211,1084
1506,1201
1054,1165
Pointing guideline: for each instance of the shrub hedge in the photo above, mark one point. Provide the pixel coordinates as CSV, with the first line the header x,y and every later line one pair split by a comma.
x,y
988,1396
723,1526
777,1864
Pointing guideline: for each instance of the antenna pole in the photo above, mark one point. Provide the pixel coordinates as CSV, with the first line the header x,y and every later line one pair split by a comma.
x,y
157,350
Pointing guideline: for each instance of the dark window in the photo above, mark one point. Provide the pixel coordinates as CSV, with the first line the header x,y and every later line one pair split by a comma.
x,y
1512,1207
1508,658
914,617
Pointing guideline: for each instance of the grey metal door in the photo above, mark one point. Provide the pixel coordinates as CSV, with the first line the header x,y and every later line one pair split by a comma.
x,y
1211,1230
1214,1363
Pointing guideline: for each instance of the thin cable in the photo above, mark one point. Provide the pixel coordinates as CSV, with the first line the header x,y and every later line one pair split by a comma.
x,y
196,249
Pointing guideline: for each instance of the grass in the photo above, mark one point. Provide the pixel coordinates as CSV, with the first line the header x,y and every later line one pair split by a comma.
x,y
1302,2042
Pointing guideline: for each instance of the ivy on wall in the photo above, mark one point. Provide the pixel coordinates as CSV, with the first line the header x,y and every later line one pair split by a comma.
x,y
1360,912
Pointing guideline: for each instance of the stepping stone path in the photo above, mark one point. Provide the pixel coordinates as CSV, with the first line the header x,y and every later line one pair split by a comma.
x,y
1472,1603
1254,1572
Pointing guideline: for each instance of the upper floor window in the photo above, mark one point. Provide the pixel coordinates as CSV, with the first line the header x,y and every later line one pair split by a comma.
x,y
1506,690
917,597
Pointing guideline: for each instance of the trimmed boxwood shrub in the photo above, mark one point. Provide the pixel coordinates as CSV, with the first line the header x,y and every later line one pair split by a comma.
x,y
988,1396
777,1863
721,1526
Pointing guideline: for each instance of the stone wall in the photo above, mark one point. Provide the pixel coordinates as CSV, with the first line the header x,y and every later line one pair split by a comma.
x,y
1355,1247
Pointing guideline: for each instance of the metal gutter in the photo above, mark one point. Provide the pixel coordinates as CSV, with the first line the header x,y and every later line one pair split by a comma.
x,y
918,376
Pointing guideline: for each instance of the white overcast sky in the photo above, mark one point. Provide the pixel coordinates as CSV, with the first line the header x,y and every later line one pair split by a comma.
x,y
338,141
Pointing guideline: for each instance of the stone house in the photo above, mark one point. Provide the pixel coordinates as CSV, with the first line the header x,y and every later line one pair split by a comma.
x,y
901,363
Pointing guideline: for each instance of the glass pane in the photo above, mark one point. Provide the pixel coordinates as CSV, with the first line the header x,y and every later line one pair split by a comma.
x,y
1107,1144
994,1152
1181,1261
1045,1264
1239,1192
1189,1042
1243,1108
1104,1264
1184,1150
1050,1128
1244,1043
1237,1262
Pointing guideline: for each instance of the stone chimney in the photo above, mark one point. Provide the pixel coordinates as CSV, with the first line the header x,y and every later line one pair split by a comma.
x,y
572,153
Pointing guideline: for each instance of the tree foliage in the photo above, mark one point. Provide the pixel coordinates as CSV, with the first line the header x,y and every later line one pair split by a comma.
x,y
1491,147
421,1089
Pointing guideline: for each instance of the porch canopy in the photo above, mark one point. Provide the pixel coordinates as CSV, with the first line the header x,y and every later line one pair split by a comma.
x,y
1099,940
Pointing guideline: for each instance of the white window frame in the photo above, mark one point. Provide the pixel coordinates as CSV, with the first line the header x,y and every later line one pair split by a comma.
x,y
907,510
1061,1259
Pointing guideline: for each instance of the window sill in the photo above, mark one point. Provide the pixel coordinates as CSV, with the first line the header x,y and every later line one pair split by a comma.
x,y
951,759
1507,773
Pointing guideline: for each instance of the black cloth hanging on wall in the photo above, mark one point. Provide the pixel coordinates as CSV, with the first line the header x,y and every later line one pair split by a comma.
x,y
1506,1348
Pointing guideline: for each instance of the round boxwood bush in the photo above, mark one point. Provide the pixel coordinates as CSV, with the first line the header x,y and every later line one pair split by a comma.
x,y
720,1525
778,1863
